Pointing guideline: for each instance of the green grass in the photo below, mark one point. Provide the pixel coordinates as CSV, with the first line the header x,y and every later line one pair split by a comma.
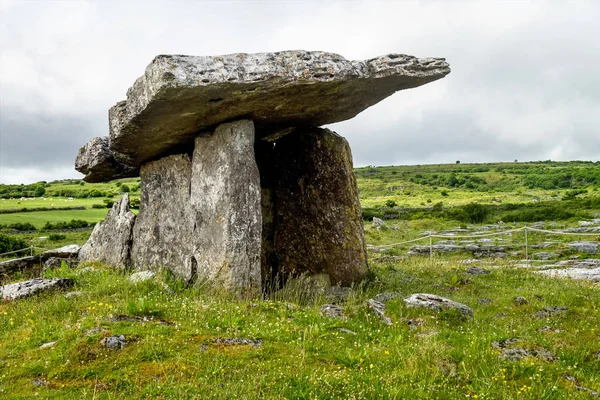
x,y
39,218
49,202
305,355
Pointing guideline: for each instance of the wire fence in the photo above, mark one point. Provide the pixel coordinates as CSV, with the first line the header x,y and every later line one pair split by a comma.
x,y
30,249
525,229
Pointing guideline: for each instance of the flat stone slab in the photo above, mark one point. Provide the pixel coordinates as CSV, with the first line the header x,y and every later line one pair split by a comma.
x,y
19,290
437,303
179,96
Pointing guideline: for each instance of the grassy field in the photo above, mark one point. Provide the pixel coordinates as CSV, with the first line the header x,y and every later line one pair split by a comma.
x,y
306,355
423,355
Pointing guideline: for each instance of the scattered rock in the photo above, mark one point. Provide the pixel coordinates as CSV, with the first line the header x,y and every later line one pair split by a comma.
x,y
414,323
47,345
136,318
256,343
111,238
515,354
337,294
20,290
484,301
585,247
332,311
437,303
378,223
550,311
203,348
379,309
38,382
581,274
581,388
520,301
114,342
348,331
543,255
68,252
141,276
503,344
387,296
477,271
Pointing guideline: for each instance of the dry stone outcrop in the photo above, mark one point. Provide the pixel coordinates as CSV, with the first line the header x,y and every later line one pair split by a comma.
x,y
240,186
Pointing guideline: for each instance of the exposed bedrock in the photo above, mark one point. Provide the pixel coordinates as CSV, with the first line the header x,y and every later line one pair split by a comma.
x,y
179,96
318,224
225,199
163,231
110,241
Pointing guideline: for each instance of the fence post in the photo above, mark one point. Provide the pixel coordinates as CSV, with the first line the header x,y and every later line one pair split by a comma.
x,y
431,249
526,247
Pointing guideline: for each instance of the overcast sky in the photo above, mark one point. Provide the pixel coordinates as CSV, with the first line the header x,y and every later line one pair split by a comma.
x,y
525,81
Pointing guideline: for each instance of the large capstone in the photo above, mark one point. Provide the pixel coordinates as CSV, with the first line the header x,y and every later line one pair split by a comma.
x,y
162,235
111,239
225,200
99,164
179,96
318,219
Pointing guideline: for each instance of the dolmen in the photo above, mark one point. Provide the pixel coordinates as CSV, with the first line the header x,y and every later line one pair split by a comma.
x,y
240,185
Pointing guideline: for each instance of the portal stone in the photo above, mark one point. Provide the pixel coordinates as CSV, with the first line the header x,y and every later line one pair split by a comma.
x,y
318,221
226,202
110,241
162,235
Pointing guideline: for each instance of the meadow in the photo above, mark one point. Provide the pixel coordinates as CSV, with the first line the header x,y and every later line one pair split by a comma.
x,y
176,333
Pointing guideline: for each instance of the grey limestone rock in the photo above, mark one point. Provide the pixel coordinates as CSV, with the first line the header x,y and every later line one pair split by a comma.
x,y
141,276
99,163
164,227
437,303
332,311
378,223
318,219
68,251
379,309
111,239
19,290
520,301
114,342
585,247
225,200
179,96
547,312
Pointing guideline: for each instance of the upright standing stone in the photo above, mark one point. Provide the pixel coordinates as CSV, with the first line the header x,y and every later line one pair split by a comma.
x,y
225,200
318,218
111,239
162,235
